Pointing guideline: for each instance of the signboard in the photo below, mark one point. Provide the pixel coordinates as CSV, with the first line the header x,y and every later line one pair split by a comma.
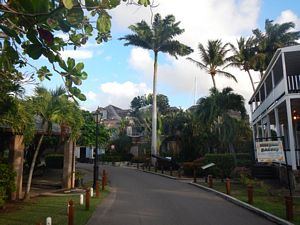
x,y
207,166
270,151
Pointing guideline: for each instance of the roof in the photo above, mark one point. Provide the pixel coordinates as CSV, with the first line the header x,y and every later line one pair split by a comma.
x,y
112,112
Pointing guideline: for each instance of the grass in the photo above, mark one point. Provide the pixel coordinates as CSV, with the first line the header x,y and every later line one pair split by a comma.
x,y
265,197
38,209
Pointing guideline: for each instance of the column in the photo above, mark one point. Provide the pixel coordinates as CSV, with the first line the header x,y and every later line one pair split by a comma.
x,y
277,123
68,161
16,159
291,133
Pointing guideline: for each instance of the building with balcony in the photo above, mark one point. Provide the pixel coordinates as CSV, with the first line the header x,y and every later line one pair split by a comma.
x,y
275,104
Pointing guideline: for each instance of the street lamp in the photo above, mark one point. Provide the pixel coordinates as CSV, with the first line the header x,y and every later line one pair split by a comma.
x,y
97,118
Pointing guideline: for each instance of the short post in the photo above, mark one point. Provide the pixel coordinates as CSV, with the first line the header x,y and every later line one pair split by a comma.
x,y
92,192
250,194
195,174
87,199
81,199
171,171
71,213
179,172
289,208
228,186
162,169
48,221
105,177
103,182
210,181
97,189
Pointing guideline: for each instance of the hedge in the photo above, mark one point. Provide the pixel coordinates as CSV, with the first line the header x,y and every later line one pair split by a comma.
x,y
224,164
7,181
55,161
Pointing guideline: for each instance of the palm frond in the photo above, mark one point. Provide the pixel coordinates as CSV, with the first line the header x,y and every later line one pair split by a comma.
x,y
197,63
226,74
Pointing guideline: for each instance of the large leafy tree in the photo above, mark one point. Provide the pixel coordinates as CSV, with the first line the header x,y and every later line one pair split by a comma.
x,y
213,59
31,29
243,56
275,36
221,112
157,38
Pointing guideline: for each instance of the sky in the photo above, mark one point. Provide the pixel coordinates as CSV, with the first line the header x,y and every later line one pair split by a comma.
x,y
118,73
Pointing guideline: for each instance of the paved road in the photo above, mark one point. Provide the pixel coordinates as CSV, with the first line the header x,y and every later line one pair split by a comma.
x,y
139,198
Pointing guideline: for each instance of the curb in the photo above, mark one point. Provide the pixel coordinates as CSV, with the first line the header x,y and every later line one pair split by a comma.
x,y
231,199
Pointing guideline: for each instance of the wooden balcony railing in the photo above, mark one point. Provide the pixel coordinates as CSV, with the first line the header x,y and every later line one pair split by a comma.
x,y
293,83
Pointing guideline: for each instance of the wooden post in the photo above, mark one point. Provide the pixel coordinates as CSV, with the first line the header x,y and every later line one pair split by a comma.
x,y
103,182
105,177
97,189
87,199
162,169
179,172
195,174
171,171
71,213
228,186
289,208
210,181
250,194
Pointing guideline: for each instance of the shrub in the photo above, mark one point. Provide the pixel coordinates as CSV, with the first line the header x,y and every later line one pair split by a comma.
x,y
7,181
244,159
224,164
138,159
55,161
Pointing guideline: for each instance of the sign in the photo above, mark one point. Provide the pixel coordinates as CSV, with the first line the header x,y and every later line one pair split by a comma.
x,y
207,166
270,151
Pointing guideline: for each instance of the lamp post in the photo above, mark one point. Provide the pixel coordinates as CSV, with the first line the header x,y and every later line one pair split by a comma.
x,y
97,117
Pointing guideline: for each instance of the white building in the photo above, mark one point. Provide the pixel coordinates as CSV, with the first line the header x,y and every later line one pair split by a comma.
x,y
275,104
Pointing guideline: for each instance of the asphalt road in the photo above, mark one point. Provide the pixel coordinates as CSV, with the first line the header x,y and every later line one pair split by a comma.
x,y
139,198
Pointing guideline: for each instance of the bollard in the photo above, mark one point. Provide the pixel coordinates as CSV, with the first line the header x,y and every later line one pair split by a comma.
x,y
250,194
210,181
81,199
92,192
87,199
105,177
103,183
48,221
195,174
227,186
71,213
97,189
289,208
171,171
162,169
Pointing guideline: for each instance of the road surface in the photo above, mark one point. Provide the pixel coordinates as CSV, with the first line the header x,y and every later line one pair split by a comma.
x,y
139,198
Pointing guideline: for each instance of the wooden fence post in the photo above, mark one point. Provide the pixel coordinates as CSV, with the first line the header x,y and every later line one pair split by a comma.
x,y
71,213
228,186
289,208
250,194
87,199
210,181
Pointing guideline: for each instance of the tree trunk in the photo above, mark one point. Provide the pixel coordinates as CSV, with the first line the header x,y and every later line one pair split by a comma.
x,y
27,195
213,79
154,110
251,80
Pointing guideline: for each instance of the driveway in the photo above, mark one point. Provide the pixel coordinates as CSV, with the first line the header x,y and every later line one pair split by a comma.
x,y
139,198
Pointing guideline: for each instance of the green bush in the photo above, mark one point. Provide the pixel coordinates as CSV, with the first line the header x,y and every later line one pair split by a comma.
x,y
224,164
244,159
55,161
7,181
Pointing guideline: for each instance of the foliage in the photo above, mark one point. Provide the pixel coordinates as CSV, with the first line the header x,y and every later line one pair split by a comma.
x,y
224,164
212,58
33,28
7,181
54,161
122,144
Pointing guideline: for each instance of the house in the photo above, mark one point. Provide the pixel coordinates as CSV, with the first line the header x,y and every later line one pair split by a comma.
x,y
275,104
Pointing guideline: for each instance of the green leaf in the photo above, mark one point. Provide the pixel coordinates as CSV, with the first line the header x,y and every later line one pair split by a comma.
x,y
75,16
32,36
81,97
71,63
114,3
91,3
34,51
88,28
62,64
83,76
76,80
68,4
75,91
144,2
103,23
43,73
64,25
79,67
11,33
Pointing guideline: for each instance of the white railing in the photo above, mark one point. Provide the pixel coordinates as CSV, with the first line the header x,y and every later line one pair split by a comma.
x,y
293,83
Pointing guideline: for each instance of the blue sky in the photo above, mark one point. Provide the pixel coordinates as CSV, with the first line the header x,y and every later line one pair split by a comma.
x,y
118,73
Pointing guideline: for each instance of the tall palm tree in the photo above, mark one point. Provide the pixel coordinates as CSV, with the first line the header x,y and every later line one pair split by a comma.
x,y
275,36
213,57
243,56
157,38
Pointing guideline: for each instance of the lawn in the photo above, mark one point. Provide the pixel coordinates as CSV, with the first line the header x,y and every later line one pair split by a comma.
x,y
265,197
38,209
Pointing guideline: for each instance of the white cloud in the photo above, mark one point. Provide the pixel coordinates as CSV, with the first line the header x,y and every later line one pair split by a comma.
x,y
76,54
91,96
202,20
289,16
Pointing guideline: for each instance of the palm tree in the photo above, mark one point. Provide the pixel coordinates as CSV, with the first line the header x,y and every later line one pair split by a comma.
x,y
275,36
243,56
157,38
213,57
